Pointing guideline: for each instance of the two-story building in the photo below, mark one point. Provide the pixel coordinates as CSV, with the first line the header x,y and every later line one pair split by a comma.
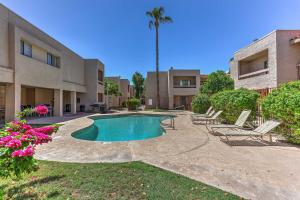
x,y
268,62
36,69
176,88
124,88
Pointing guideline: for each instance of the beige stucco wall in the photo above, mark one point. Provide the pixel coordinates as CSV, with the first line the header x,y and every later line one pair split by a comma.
x,y
17,70
125,90
123,84
288,56
4,55
93,87
262,81
150,89
181,91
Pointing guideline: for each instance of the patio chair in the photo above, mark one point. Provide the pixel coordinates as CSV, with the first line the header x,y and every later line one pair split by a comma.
x,y
204,115
257,133
240,122
212,119
196,116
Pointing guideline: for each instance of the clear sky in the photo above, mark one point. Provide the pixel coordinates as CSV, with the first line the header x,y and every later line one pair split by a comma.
x,y
204,35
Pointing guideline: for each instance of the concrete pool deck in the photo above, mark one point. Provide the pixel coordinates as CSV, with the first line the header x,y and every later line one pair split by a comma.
x,y
249,169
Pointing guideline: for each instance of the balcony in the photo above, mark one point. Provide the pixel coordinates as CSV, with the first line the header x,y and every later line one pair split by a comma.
x,y
184,82
254,65
256,73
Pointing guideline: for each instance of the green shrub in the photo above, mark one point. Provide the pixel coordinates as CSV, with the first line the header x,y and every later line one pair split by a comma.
x,y
133,103
216,82
200,103
284,104
233,102
124,104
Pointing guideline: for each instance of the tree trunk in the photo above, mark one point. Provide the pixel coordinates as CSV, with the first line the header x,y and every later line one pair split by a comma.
x,y
157,72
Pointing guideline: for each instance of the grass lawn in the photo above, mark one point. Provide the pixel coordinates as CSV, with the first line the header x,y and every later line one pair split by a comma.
x,y
134,180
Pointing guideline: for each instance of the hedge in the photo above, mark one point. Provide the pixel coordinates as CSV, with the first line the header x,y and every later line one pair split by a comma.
x,y
233,102
284,104
200,103
133,103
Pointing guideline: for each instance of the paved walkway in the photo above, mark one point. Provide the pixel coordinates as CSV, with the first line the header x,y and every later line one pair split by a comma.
x,y
249,169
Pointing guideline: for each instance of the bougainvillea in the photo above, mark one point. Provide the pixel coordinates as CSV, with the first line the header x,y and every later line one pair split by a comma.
x,y
41,109
18,141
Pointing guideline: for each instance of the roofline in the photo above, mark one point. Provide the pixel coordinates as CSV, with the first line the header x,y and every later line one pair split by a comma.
x,y
43,32
254,42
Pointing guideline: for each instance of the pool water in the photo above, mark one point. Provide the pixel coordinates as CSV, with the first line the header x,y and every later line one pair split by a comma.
x,y
123,128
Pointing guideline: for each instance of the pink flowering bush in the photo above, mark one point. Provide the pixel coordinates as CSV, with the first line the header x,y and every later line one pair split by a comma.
x,y
18,141
41,109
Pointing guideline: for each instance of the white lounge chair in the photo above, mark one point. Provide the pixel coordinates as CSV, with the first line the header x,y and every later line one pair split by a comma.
x,y
204,115
257,133
212,119
240,122
197,116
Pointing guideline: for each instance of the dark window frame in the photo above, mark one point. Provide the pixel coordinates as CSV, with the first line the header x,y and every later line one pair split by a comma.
x,y
22,49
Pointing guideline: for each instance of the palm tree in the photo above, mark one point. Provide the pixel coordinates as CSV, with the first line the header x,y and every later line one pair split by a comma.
x,y
138,82
156,18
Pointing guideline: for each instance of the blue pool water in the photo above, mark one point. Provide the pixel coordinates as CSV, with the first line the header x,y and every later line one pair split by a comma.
x,y
123,128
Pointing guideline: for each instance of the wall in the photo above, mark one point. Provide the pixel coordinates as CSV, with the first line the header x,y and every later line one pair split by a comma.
x,y
262,81
93,88
254,64
150,89
20,70
288,56
4,53
182,91
124,84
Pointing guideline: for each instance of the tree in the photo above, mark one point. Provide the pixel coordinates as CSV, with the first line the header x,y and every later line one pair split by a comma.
x,y
156,18
138,82
111,88
216,82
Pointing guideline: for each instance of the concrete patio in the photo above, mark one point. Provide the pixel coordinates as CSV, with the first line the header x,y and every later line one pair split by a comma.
x,y
250,169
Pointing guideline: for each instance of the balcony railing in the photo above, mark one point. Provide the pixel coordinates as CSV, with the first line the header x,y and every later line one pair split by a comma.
x,y
256,73
184,86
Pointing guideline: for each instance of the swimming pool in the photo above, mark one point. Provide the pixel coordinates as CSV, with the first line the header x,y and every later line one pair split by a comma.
x,y
123,128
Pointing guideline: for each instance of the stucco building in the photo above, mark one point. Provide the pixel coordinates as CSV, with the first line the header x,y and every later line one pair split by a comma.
x,y
176,88
268,61
124,87
36,69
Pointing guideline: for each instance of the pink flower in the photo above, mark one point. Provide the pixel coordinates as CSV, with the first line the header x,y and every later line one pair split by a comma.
x,y
25,138
46,129
41,138
9,129
41,109
29,151
14,143
26,126
14,133
2,143
6,139
17,153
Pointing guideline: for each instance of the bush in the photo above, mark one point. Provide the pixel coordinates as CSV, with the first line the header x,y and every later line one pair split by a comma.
x,y
200,103
284,104
18,141
132,104
216,82
233,102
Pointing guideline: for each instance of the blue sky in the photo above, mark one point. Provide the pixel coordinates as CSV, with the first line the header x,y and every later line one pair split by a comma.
x,y
204,35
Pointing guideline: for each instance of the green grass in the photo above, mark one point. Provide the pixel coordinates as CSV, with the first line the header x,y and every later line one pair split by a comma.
x,y
135,180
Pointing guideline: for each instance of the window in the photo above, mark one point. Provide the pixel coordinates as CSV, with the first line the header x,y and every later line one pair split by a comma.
x,y
26,49
53,60
185,83
266,65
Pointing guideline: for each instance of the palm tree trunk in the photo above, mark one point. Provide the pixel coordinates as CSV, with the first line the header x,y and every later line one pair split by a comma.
x,y
157,72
